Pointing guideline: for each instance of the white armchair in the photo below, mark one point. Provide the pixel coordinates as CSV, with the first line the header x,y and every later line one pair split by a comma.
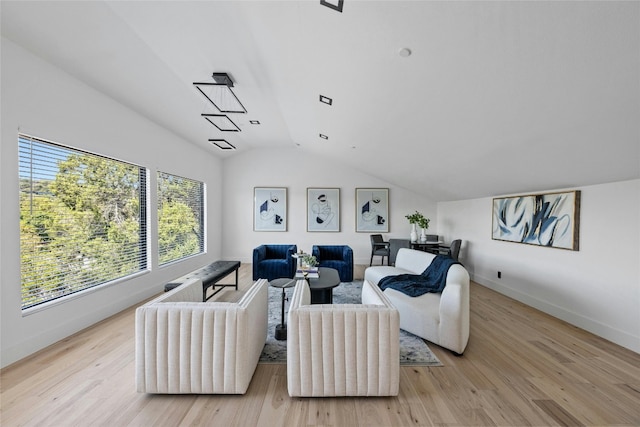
x,y
342,349
184,345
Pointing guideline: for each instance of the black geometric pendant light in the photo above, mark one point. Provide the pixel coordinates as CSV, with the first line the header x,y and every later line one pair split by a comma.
x,y
219,93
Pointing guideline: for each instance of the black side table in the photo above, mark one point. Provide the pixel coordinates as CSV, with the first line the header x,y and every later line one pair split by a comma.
x,y
281,329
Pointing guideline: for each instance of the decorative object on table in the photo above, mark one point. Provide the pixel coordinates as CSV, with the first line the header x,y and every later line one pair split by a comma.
x,y
372,210
418,219
323,209
423,223
308,267
298,257
550,219
270,209
309,261
413,349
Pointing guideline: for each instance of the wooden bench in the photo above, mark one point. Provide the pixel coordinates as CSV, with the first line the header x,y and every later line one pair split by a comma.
x,y
210,275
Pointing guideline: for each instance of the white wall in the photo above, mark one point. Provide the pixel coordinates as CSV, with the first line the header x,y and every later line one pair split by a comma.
x,y
43,101
289,167
596,288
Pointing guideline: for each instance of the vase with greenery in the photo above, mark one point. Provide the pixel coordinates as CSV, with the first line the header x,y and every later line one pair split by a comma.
x,y
418,219
309,261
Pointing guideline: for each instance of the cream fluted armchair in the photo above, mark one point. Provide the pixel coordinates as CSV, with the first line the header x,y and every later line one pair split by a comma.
x,y
184,345
342,349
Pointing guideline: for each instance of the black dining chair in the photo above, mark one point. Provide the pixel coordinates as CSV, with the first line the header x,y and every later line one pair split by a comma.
x,y
453,250
379,248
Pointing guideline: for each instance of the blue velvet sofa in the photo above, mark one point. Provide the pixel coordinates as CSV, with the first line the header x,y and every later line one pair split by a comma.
x,y
274,261
339,257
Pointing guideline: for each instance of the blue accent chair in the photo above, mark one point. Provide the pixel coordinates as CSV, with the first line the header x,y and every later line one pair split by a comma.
x,y
274,262
339,257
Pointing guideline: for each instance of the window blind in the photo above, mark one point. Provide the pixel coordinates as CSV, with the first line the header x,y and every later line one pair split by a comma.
x,y
180,217
82,220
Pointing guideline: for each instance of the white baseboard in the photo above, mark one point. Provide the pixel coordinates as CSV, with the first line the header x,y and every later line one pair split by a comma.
x,y
74,325
617,336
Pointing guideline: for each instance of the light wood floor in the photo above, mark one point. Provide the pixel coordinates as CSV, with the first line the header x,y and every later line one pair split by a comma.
x,y
521,368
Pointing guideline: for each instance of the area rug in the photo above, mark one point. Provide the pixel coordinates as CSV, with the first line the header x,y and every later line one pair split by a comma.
x,y
413,350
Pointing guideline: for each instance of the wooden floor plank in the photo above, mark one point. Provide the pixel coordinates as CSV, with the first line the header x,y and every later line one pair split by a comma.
x,y
558,413
522,367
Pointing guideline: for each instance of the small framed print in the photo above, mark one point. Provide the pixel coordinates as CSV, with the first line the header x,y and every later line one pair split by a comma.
x,y
323,209
270,209
372,210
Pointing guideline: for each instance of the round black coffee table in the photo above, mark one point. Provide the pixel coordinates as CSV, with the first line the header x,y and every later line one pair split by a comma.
x,y
322,286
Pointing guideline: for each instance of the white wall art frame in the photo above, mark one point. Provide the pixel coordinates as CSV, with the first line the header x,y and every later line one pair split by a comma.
x,y
270,209
323,209
372,210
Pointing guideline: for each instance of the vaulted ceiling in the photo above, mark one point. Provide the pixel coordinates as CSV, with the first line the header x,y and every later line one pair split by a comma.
x,y
495,97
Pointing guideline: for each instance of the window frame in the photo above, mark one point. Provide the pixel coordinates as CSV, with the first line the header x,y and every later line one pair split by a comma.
x,y
133,258
201,205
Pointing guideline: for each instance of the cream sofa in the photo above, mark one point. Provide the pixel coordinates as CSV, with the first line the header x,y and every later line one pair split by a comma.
x,y
442,318
184,345
342,349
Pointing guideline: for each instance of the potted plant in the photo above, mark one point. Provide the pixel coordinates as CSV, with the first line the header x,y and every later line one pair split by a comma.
x,y
308,261
424,224
418,219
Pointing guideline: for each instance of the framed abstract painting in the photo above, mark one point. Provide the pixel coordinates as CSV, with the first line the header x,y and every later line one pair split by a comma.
x,y
270,209
549,219
372,210
323,209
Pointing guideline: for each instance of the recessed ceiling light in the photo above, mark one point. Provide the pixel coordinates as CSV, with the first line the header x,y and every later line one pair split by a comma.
x,y
254,122
405,52
326,100
324,136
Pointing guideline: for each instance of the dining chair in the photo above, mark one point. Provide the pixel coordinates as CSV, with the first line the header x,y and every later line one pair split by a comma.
x,y
453,250
379,248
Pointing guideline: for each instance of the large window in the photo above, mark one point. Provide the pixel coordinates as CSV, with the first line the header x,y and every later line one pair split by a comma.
x,y
180,217
82,220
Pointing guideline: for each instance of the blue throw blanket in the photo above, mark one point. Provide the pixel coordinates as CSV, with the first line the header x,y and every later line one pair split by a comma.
x,y
432,279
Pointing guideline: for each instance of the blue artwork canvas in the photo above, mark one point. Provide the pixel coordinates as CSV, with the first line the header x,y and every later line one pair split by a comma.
x,y
550,219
